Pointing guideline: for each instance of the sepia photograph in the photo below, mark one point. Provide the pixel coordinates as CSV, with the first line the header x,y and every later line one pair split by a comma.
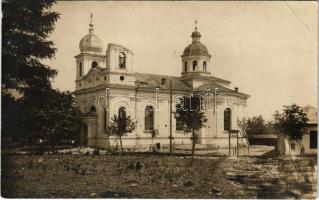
x,y
159,99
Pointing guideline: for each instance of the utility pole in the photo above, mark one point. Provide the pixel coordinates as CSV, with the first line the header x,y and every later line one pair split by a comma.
x,y
170,118
229,141
215,110
237,144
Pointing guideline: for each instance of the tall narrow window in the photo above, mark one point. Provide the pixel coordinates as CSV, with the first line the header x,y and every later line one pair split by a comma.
x,y
122,112
227,119
204,66
179,121
185,67
80,69
122,60
194,65
94,64
149,118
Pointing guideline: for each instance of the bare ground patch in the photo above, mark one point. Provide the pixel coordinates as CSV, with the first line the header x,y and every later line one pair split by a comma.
x,y
123,176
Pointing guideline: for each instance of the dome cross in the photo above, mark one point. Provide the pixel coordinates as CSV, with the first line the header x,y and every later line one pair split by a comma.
x,y
196,24
91,20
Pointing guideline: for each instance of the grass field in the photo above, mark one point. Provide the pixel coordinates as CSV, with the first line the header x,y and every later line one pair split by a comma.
x,y
125,176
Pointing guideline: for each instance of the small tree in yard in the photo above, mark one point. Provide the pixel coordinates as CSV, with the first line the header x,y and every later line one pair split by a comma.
x,y
189,112
121,126
291,122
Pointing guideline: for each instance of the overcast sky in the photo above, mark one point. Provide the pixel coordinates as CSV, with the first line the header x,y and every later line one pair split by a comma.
x,y
267,49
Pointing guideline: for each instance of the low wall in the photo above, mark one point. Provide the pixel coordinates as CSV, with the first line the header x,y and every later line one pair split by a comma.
x,y
146,142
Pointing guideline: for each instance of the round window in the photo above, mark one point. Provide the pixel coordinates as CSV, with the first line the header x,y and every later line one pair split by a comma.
x,y
122,78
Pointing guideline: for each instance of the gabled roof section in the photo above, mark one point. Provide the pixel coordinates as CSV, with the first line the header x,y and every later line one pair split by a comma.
x,y
97,69
161,81
213,78
211,86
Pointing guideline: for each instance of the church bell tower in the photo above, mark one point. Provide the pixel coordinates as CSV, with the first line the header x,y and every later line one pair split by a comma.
x,y
91,55
195,58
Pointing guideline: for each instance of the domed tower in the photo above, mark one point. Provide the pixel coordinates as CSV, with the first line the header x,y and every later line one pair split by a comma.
x,y
195,58
91,53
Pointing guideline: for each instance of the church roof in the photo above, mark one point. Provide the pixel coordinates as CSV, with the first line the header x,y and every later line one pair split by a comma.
x,y
212,78
152,81
91,42
161,81
212,85
196,49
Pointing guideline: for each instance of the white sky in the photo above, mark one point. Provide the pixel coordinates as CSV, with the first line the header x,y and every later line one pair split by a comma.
x,y
267,49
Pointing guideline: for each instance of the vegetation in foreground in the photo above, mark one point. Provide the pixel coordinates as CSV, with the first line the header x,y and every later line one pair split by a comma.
x,y
144,176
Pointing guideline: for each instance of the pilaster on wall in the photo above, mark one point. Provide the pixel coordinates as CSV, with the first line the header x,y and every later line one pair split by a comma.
x,y
92,131
101,122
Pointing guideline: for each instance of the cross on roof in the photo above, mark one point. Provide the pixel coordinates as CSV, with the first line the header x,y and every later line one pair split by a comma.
x,y
91,20
196,24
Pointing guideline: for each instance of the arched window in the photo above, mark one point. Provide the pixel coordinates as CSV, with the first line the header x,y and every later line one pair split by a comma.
x,y
149,118
194,65
122,60
204,66
227,119
122,112
179,122
94,64
185,67
92,109
80,69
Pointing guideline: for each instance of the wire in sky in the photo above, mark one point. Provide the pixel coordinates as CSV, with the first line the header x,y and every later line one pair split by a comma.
x,y
297,16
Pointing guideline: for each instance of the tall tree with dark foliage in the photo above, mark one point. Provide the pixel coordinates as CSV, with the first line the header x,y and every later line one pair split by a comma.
x,y
39,111
26,26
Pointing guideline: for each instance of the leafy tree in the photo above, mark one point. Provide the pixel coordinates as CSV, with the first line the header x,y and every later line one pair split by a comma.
x,y
291,121
121,126
56,120
26,26
61,118
10,119
190,113
252,126
270,128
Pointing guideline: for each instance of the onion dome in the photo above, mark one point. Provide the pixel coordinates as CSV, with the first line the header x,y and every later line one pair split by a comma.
x,y
196,48
91,42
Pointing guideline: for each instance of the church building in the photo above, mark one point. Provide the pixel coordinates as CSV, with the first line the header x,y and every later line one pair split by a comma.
x,y
107,85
